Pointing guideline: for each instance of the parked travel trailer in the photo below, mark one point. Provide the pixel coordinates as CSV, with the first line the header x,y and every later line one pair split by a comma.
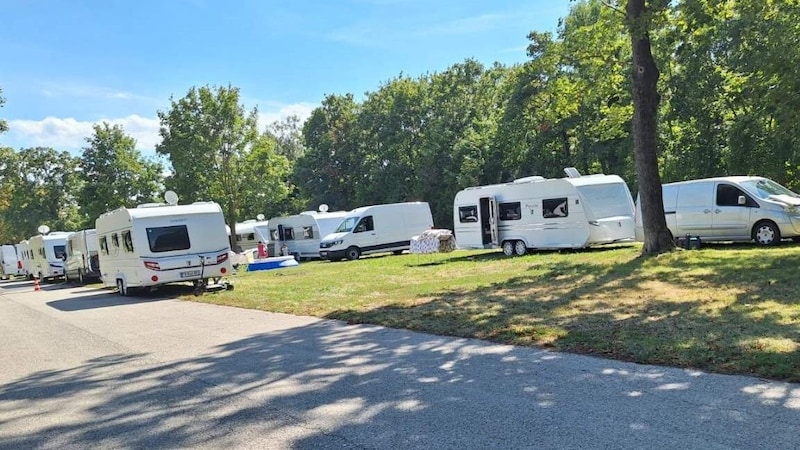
x,y
299,235
83,261
9,262
545,213
249,232
47,251
737,208
26,258
156,244
376,229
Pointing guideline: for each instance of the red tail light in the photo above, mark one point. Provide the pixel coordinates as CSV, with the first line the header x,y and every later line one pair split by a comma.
x,y
222,258
19,264
152,265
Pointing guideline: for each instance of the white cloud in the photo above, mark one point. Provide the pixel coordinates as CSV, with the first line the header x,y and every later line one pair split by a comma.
x,y
301,110
67,133
70,134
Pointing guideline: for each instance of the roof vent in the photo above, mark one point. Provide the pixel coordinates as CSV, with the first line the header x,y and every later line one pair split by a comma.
x,y
572,172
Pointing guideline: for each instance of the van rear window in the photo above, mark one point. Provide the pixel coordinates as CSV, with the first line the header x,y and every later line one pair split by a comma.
x,y
167,239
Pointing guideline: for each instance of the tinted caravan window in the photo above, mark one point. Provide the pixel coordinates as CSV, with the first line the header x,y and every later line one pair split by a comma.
x,y
167,239
60,251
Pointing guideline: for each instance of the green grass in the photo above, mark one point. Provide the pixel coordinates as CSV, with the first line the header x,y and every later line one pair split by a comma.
x,y
726,308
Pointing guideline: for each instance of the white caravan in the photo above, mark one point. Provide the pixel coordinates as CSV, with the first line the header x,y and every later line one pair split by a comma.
x,y
738,208
26,258
155,244
299,235
83,260
47,251
249,232
545,213
376,229
9,262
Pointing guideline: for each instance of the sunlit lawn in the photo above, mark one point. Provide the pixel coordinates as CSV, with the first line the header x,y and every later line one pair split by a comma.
x,y
724,308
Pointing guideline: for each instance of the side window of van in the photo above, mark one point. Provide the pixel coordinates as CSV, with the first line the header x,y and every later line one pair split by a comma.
x,y
728,195
127,240
104,245
468,214
365,224
510,211
554,208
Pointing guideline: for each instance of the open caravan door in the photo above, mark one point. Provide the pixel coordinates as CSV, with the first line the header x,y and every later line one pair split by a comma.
x,y
488,215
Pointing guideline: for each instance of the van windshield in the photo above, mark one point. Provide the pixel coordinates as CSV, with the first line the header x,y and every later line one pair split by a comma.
x,y
764,188
606,200
347,225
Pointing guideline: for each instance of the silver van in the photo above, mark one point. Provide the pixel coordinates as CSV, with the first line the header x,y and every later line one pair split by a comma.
x,y
739,208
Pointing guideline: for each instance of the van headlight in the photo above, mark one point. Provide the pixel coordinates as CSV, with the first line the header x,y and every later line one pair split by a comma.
x,y
336,242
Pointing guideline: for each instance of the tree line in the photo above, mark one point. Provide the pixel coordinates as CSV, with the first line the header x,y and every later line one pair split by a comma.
x,y
727,105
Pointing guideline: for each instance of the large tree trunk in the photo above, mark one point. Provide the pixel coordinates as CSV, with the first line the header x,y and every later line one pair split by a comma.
x,y
657,238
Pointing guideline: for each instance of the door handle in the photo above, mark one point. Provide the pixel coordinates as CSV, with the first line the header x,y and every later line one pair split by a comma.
x,y
717,211
706,211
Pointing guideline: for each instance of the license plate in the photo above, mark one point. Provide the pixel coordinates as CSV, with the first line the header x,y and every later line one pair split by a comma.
x,y
190,273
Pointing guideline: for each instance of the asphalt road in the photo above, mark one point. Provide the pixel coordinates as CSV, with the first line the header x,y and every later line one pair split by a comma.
x,y
84,368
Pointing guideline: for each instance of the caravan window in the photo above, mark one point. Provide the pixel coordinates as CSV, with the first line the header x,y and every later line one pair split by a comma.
x,y
308,233
273,235
288,234
468,213
554,208
127,240
364,225
104,245
60,251
115,240
167,239
607,200
510,211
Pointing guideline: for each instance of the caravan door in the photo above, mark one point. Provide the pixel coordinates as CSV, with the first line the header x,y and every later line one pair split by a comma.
x,y
488,213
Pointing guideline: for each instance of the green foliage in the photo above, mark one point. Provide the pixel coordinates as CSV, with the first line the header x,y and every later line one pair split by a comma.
x,y
44,187
210,139
3,123
115,174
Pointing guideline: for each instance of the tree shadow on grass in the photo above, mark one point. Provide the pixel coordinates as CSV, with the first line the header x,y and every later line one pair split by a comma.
x,y
716,309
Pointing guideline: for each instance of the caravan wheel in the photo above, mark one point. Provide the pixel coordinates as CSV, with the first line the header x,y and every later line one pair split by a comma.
x,y
508,248
520,248
121,288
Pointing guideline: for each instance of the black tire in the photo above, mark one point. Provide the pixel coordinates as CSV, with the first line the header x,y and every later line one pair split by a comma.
x,y
121,288
397,252
766,233
353,253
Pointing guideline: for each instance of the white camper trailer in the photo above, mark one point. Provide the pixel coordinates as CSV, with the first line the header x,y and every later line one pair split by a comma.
x,y
249,232
539,213
9,262
47,251
376,229
156,244
83,261
737,208
299,235
25,257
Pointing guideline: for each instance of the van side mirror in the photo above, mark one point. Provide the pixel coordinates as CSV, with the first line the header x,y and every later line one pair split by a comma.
x,y
742,200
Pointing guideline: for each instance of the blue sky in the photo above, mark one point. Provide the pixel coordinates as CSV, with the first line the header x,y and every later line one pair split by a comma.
x,y
65,65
